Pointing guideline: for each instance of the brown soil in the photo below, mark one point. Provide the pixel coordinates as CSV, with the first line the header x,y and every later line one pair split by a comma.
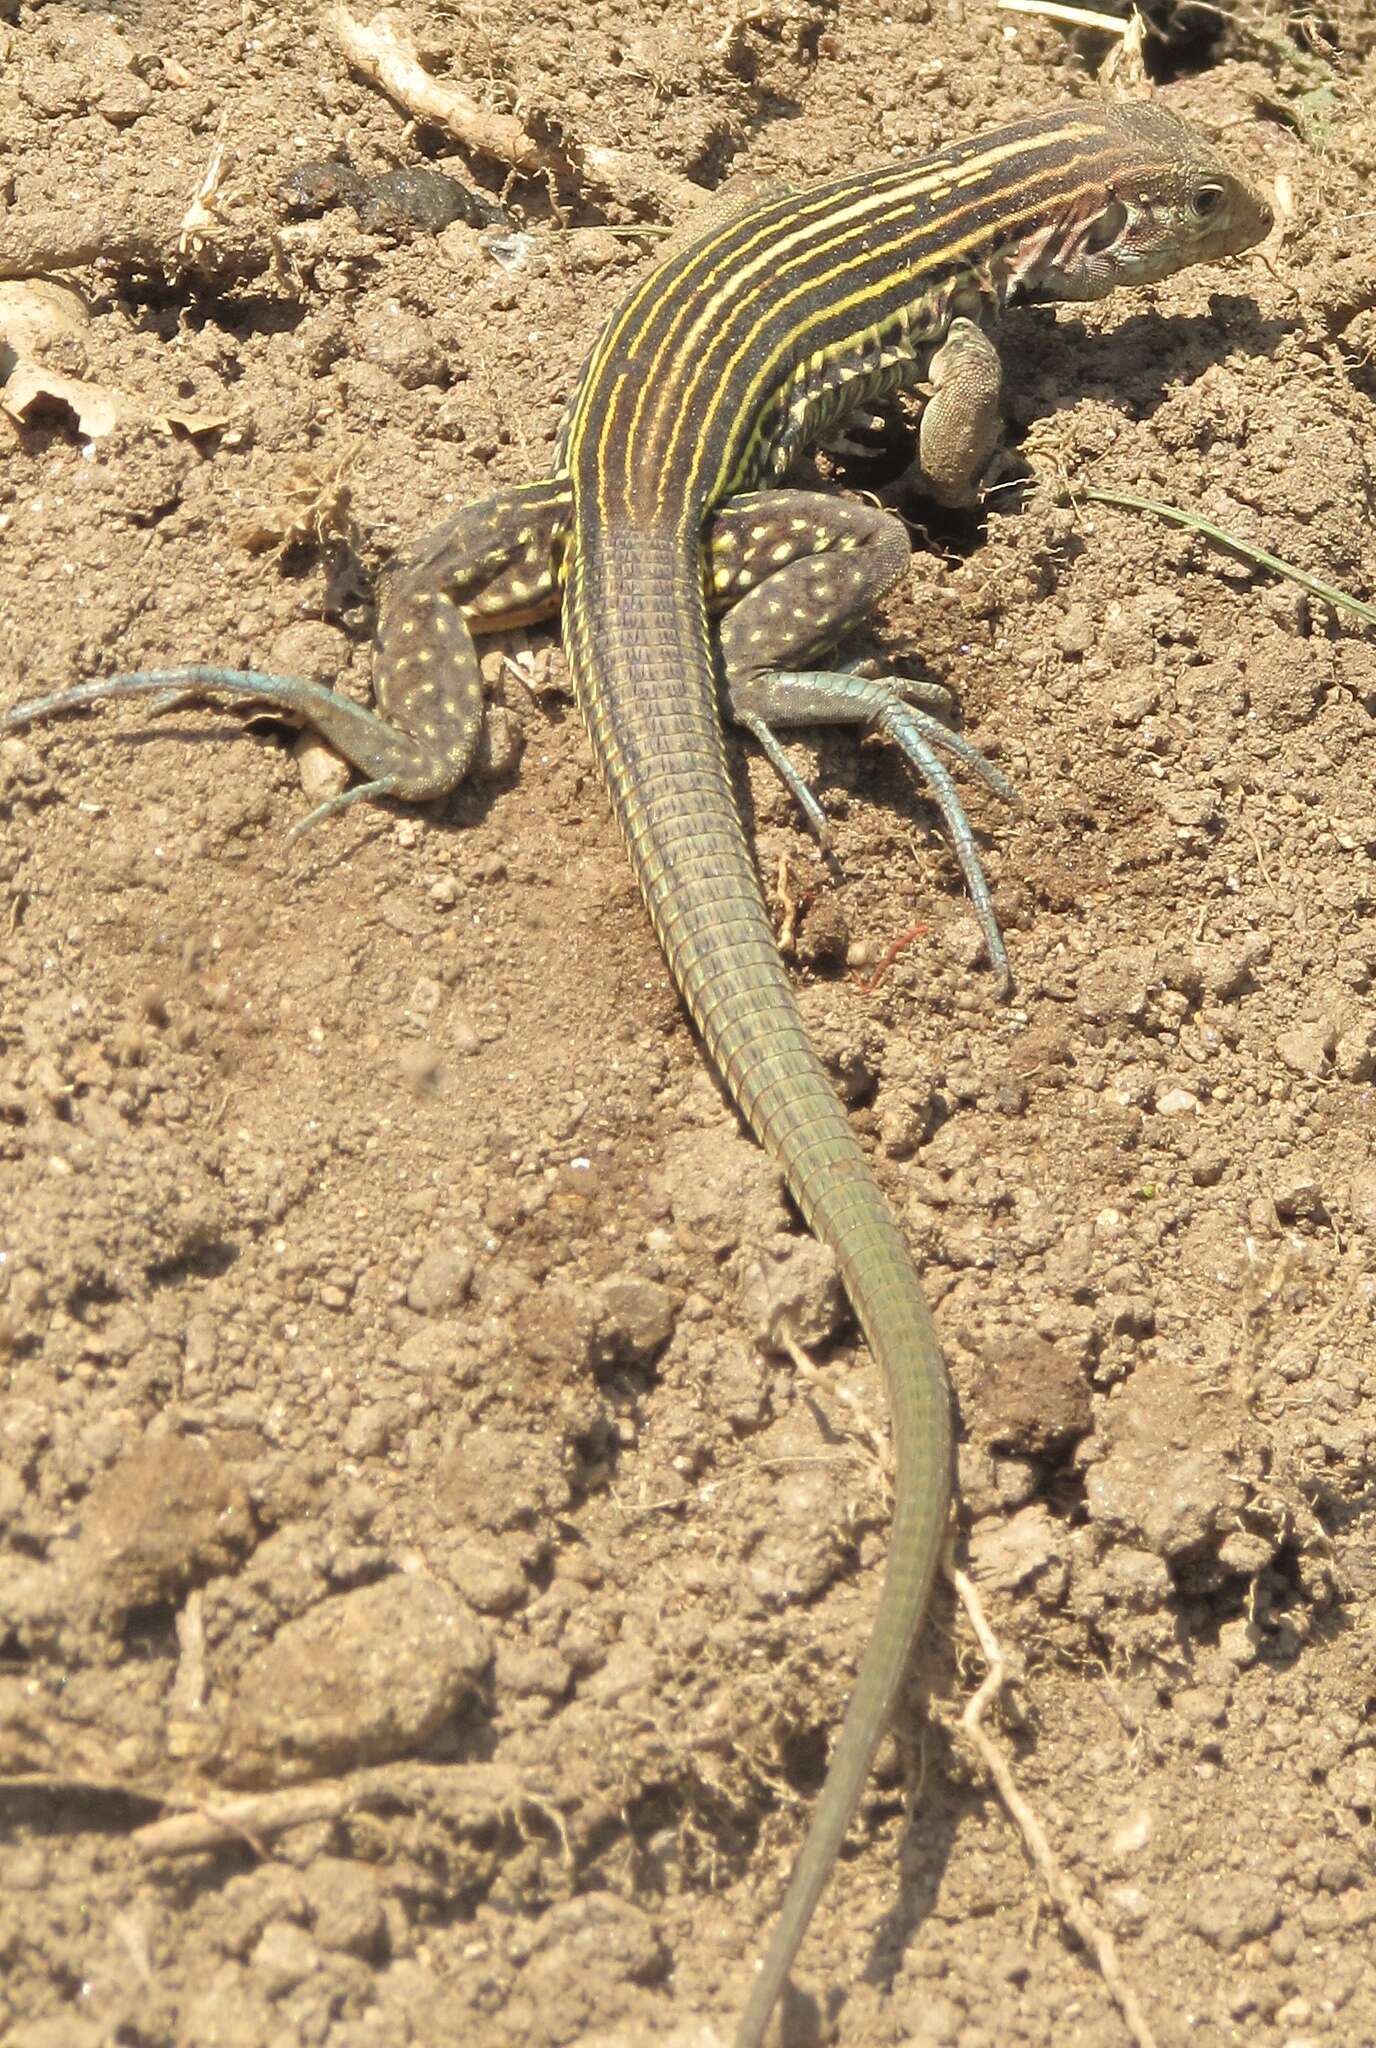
x,y
390,1433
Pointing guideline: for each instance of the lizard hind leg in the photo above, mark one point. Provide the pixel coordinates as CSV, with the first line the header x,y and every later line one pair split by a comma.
x,y
797,570
494,564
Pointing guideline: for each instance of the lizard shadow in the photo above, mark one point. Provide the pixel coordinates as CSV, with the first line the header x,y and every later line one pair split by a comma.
x,y
458,810
936,1795
934,1799
1137,366
925,1850
1142,362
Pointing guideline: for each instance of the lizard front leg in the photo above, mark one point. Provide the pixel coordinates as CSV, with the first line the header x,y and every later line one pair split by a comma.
x,y
960,425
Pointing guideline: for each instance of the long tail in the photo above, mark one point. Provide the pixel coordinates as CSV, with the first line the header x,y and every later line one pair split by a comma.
x,y
635,624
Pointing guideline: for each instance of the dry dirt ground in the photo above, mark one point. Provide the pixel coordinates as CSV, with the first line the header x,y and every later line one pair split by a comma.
x,y
393,1430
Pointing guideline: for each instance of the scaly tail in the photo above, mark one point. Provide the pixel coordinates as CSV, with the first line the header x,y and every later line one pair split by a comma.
x,y
642,666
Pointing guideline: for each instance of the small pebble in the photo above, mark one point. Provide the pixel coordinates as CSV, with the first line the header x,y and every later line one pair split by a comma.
x,y
1308,1049
441,1281
285,1957
324,774
635,1317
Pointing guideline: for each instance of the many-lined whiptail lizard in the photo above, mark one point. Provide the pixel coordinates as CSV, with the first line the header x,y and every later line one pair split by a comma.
x,y
727,359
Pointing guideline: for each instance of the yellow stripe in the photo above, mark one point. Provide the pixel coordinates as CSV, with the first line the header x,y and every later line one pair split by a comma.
x,y
875,205
942,250
948,253
700,286
903,186
723,287
813,205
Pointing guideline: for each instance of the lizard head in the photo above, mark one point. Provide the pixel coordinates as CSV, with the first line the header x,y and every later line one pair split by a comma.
x,y
1160,197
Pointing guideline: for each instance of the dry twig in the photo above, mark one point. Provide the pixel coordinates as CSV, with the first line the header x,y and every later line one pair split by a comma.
x,y
381,52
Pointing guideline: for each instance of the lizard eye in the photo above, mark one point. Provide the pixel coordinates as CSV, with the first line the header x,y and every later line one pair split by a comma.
x,y
1205,200
1107,228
